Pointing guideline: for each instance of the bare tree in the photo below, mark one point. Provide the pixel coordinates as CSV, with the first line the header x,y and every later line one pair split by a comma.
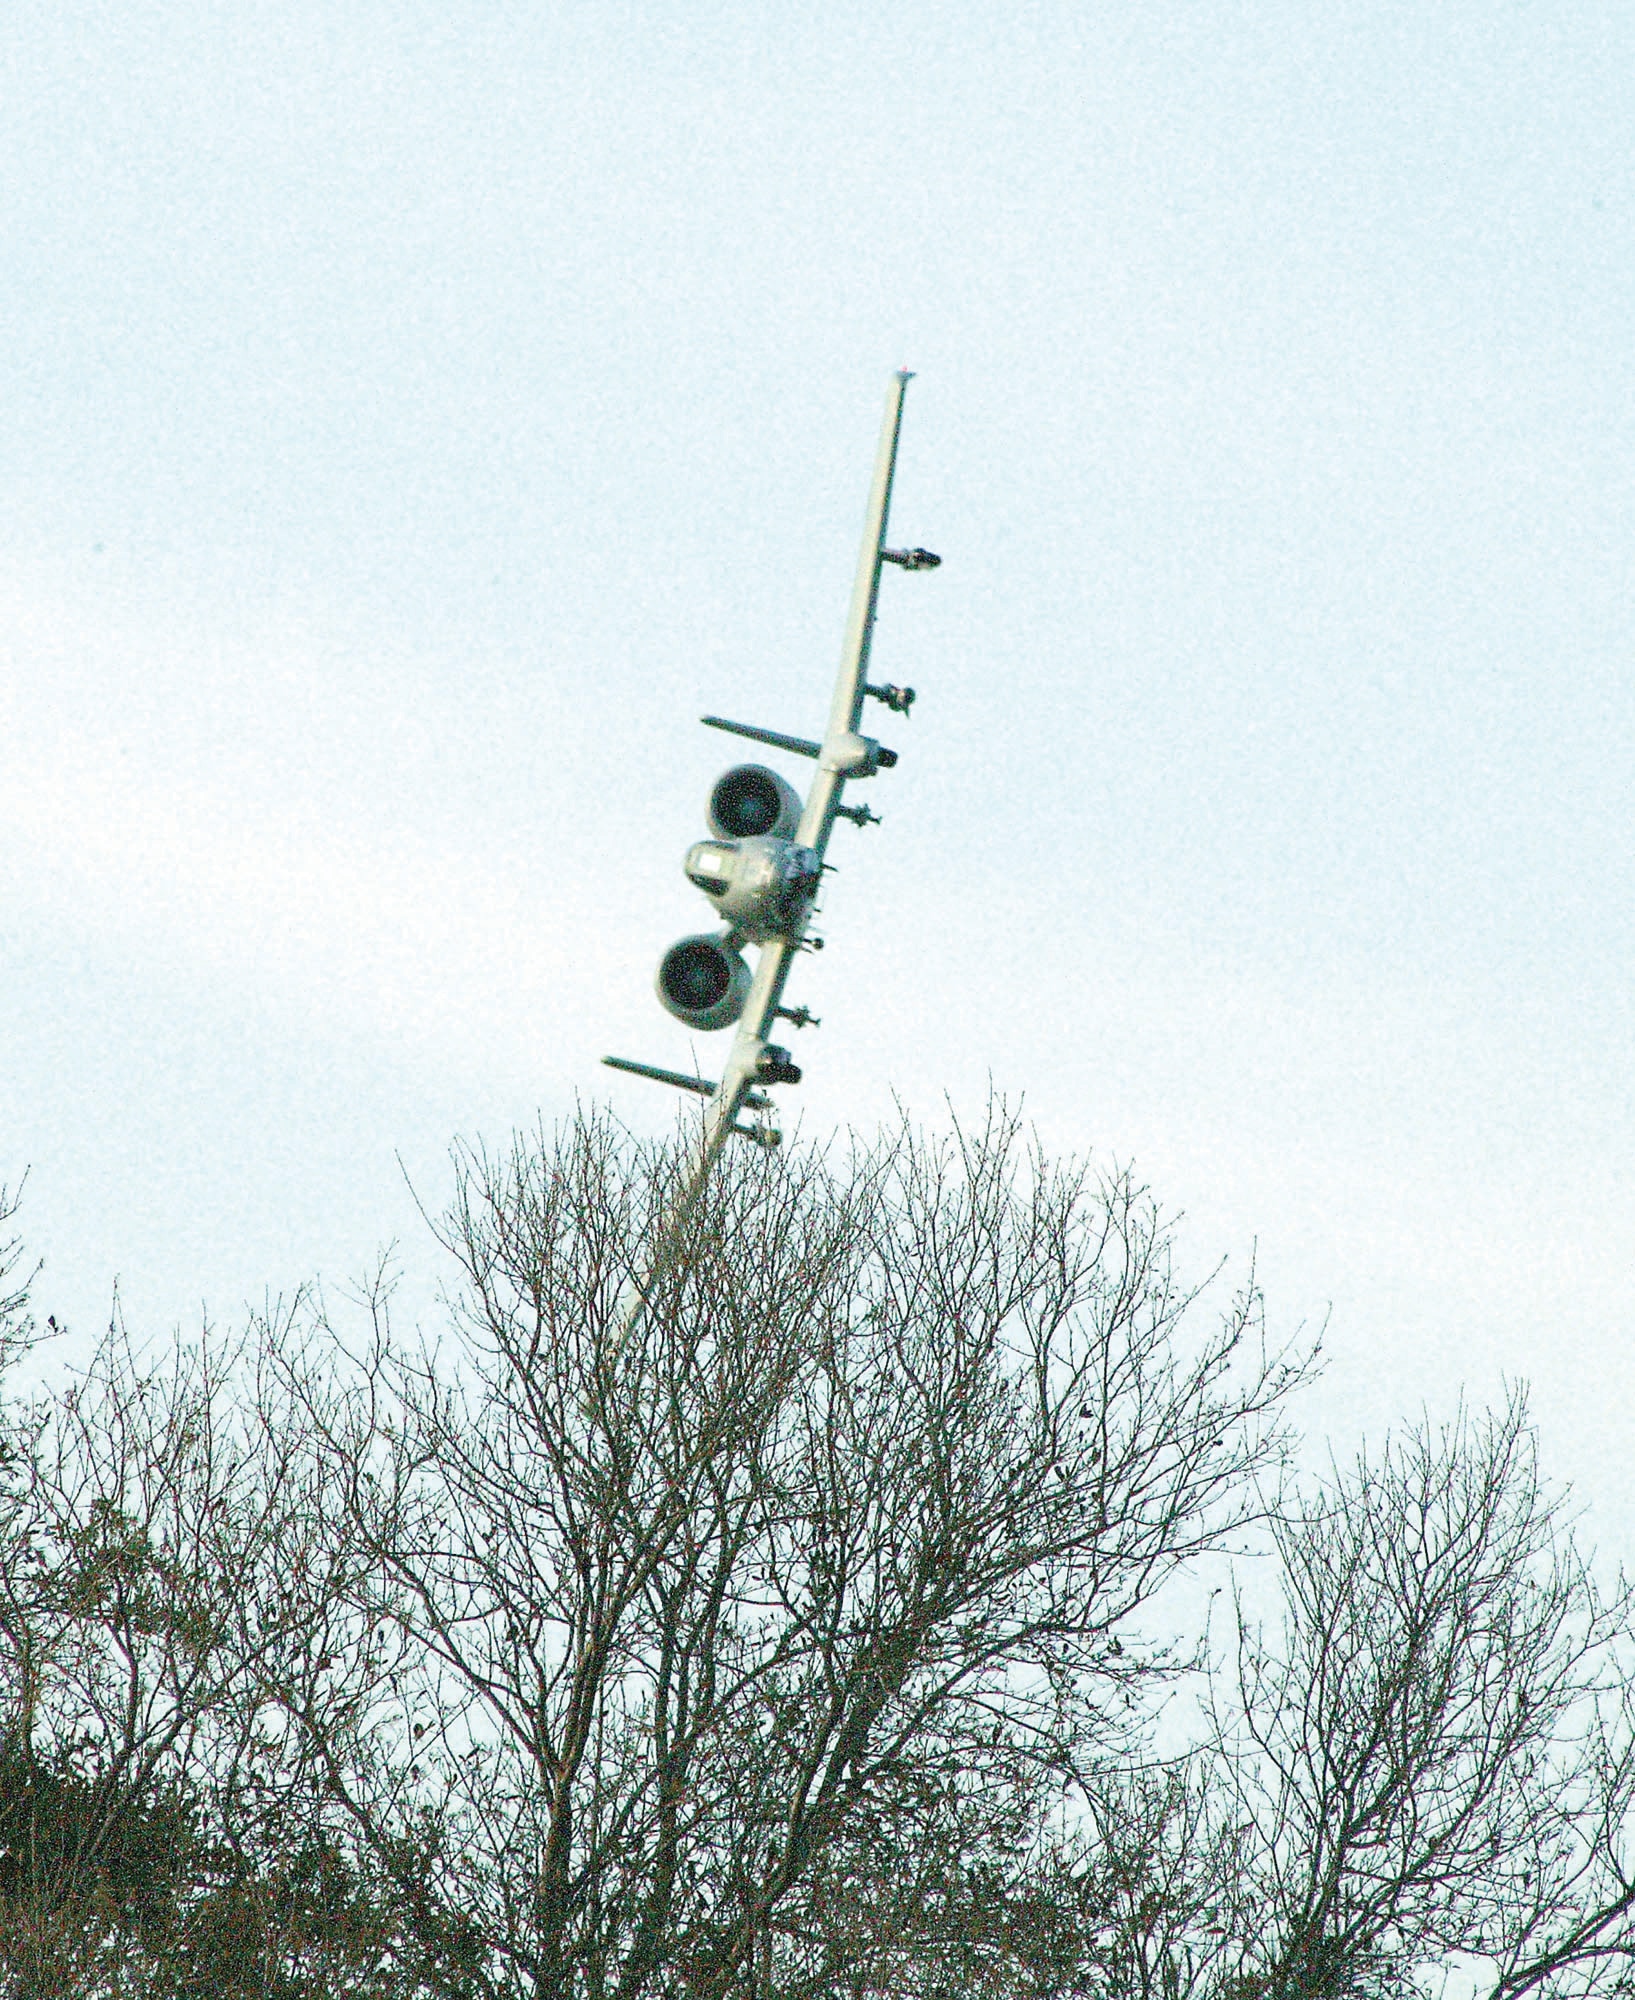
x,y
800,1644
147,1839
680,1660
16,1325
1434,1763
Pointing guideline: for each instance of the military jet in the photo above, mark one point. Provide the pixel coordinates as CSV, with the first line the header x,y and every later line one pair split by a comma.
x,y
762,864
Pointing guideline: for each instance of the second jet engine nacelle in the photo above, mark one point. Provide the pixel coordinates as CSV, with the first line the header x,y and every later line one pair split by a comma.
x,y
750,801
762,887
703,982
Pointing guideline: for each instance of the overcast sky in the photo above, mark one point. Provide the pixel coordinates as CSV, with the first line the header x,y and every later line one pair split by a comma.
x,y
415,417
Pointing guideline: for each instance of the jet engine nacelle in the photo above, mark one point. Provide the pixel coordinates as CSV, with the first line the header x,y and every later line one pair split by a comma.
x,y
704,982
749,802
762,887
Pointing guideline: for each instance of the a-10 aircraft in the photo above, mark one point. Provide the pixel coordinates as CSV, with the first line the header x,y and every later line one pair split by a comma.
x,y
762,867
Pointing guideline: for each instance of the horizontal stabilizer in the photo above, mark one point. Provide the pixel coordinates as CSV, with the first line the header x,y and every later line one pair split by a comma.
x,y
679,1081
801,745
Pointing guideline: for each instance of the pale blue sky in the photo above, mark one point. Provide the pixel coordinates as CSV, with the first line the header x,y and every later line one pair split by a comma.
x,y
416,417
